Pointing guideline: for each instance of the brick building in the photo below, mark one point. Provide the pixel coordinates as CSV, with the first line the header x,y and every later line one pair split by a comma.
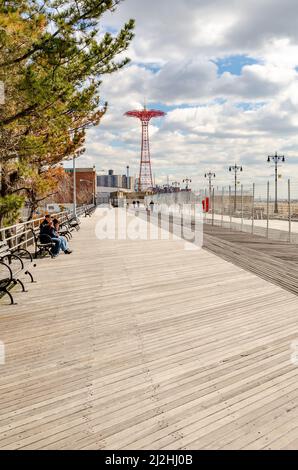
x,y
85,187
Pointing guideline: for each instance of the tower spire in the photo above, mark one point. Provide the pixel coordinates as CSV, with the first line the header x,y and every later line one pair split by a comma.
x,y
145,175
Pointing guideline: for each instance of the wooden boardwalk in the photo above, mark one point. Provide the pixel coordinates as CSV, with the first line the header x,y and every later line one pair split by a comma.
x,y
144,345
274,261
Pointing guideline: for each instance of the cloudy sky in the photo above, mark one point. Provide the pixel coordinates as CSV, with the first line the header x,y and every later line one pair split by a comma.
x,y
226,73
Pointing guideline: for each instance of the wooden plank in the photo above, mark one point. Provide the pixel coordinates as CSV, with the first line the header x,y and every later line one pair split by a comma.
x,y
147,345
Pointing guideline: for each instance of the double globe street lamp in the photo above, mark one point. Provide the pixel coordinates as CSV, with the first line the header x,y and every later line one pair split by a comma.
x,y
236,169
276,159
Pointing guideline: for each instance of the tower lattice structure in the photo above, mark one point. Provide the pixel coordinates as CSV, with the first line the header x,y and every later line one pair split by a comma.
x,y
145,175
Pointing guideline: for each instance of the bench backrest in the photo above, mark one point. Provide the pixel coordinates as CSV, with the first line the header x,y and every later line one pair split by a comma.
x,y
4,249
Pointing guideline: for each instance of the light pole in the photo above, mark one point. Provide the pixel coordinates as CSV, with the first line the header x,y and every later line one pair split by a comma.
x,y
276,159
187,181
235,168
72,137
74,186
127,177
210,177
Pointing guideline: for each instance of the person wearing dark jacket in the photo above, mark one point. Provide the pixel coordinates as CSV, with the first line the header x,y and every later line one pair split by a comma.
x,y
47,220
48,230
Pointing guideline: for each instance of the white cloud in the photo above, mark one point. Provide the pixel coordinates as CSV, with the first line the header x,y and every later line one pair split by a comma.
x,y
213,119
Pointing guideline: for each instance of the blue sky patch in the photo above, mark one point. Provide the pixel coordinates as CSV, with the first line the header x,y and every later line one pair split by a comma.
x,y
111,30
154,68
168,108
248,106
233,64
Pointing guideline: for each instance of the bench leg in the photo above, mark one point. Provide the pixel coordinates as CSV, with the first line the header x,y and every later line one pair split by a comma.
x,y
18,281
41,253
50,252
6,291
30,275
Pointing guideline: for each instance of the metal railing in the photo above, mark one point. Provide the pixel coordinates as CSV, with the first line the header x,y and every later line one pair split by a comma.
x,y
247,208
253,209
21,236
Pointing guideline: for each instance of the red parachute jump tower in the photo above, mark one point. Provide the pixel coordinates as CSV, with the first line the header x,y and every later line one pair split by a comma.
x,y
145,176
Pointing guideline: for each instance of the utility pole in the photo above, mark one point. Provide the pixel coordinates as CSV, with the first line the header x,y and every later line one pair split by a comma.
x,y
235,168
276,159
210,177
127,177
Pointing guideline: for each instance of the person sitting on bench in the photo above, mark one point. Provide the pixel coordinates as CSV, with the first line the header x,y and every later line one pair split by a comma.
x,y
47,220
60,242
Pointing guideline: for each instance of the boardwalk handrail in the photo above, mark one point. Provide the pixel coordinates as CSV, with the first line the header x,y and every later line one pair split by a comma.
x,y
20,235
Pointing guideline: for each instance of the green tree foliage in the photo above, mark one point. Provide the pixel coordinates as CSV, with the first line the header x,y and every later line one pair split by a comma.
x,y
10,208
53,57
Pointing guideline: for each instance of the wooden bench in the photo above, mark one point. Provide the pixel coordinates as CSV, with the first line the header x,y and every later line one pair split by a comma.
x,y
73,223
43,242
90,211
13,263
65,230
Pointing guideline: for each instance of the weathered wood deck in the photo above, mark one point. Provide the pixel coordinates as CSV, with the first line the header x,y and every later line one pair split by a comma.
x,y
143,345
274,261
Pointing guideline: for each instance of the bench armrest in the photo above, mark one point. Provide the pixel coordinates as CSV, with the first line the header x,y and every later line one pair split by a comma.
x,y
20,250
11,255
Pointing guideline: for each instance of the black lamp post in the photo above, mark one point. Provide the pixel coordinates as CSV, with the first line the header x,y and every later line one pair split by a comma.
x,y
210,177
276,159
235,168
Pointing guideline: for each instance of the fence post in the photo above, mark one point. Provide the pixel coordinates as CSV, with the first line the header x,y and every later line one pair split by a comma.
x,y
205,212
241,208
222,205
212,206
230,209
290,210
253,208
268,198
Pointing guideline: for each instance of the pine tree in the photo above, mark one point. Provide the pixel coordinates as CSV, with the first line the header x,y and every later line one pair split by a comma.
x,y
53,58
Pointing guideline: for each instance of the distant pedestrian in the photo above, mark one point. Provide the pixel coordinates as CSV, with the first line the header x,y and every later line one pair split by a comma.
x,y
134,204
138,204
151,206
